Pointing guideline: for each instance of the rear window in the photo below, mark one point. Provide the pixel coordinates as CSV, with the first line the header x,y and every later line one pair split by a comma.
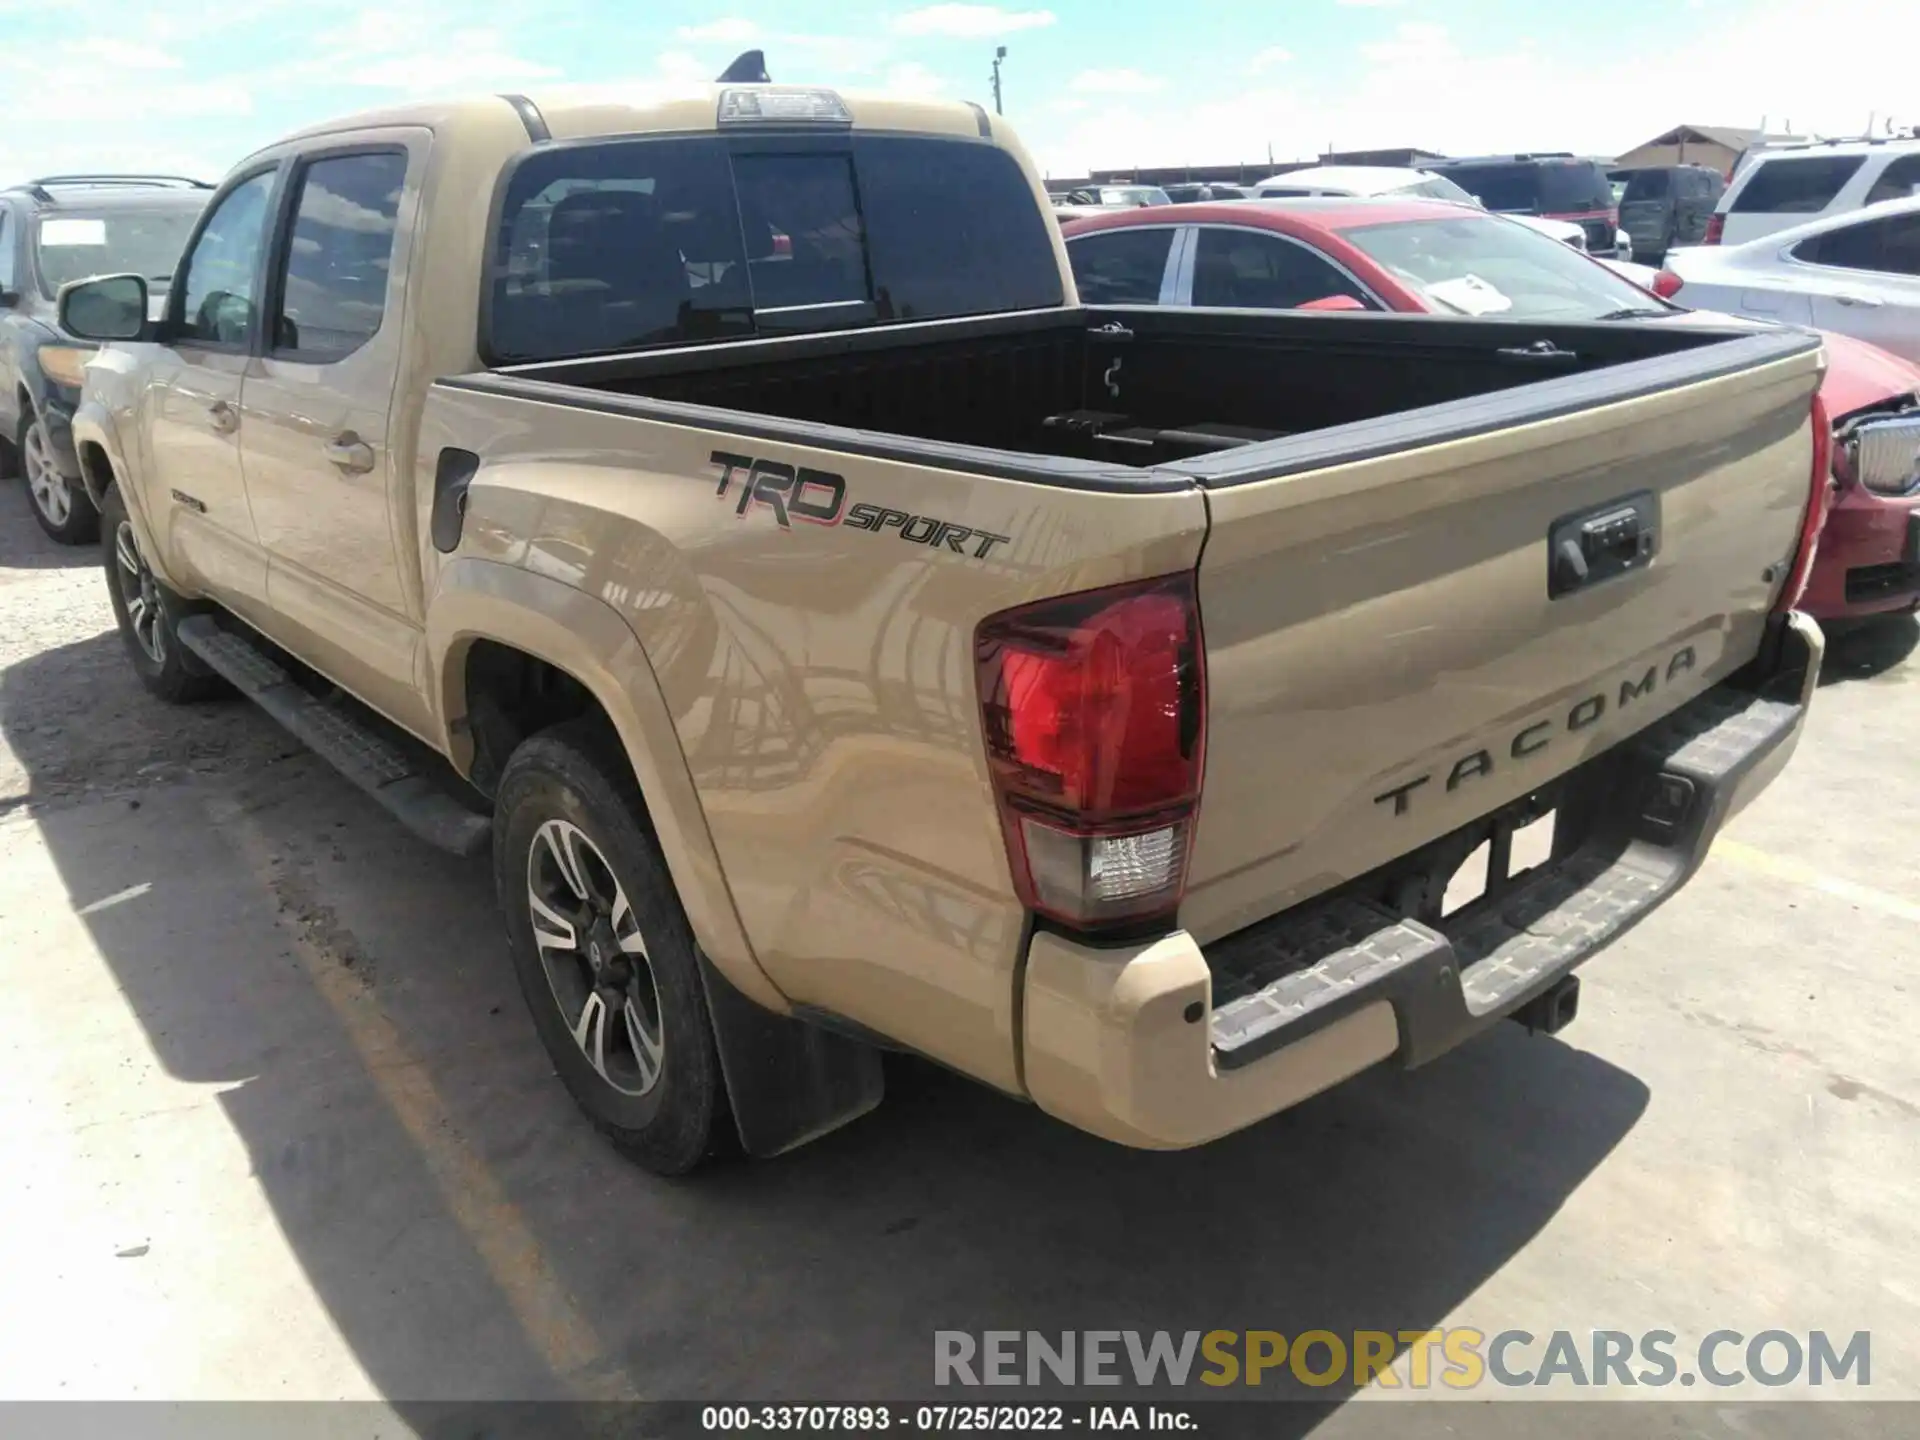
x,y
1898,181
1646,185
1438,187
1544,187
632,243
1794,185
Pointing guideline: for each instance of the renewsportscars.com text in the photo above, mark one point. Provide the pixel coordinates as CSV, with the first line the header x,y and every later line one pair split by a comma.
x,y
1459,1358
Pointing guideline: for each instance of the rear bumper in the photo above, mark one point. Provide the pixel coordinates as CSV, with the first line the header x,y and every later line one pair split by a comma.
x,y
1868,562
1165,1045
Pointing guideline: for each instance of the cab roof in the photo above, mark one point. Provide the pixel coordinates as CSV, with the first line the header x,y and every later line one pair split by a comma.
x,y
578,112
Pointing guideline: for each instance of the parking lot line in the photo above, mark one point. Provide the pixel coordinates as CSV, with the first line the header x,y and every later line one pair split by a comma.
x,y
1792,871
474,1198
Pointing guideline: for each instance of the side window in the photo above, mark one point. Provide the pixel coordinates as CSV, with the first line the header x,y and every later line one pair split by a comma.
x,y
1795,185
1121,267
9,238
222,272
1252,271
333,287
1853,247
1898,181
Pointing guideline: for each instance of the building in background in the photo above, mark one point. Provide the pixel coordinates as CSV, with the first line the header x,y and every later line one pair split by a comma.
x,y
1718,147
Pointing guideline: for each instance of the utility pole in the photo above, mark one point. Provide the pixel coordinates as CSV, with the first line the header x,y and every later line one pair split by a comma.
x,y
999,54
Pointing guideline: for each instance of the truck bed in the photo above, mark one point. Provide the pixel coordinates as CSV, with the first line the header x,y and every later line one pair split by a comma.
x,y
1139,388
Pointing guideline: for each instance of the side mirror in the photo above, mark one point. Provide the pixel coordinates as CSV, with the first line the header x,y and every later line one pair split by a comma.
x,y
9,298
112,307
1334,302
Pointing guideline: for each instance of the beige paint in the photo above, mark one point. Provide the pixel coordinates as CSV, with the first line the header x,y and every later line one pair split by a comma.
x,y
1371,623
799,705
820,686
335,586
1109,1047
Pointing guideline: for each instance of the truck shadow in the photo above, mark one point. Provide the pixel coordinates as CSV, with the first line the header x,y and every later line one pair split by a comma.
x,y
24,545
473,1240
1867,649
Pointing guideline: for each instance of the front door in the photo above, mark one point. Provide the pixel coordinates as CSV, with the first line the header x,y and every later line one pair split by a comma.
x,y
195,497
318,449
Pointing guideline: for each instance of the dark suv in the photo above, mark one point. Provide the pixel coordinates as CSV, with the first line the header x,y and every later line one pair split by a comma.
x,y
68,227
1665,206
1555,186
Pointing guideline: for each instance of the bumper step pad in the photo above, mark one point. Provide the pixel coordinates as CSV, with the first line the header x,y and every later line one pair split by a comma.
x,y
351,745
1276,982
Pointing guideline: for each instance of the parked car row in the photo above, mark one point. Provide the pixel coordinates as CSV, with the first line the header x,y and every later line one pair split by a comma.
x,y
820,692
1557,194
53,230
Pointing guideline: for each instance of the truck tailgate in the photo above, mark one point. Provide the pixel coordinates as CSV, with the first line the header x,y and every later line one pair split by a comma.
x,y
1389,652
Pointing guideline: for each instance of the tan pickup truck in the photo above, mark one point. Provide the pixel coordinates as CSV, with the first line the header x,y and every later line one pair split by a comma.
x,y
723,509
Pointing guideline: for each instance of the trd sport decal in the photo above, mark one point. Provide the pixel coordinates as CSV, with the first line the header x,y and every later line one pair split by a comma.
x,y
819,497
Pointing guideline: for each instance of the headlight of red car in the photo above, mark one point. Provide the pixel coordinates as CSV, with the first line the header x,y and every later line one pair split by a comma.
x,y
1884,455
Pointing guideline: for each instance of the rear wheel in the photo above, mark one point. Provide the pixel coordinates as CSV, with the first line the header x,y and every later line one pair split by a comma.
x,y
59,504
602,950
147,614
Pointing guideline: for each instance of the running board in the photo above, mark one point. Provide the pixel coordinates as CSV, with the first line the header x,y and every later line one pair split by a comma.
x,y
353,747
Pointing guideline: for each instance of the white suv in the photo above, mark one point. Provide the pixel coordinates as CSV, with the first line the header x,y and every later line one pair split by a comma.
x,y
1793,184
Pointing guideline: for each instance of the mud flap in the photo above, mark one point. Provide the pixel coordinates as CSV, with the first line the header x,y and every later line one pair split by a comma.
x,y
788,1082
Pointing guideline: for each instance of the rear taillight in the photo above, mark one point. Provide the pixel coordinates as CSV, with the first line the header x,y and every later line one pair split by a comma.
x,y
1819,487
1667,284
1716,227
1094,709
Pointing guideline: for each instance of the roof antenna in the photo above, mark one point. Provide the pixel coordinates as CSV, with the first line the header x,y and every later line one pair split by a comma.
x,y
750,68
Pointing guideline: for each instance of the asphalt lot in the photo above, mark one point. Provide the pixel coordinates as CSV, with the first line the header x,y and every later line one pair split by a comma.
x,y
276,1126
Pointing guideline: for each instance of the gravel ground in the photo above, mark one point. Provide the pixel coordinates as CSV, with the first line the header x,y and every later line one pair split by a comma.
x,y
78,725
275,1123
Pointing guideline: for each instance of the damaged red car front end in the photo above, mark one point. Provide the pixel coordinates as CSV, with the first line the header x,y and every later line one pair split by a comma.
x,y
1869,557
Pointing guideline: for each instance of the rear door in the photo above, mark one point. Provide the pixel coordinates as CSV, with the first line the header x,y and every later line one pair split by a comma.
x,y
1386,658
317,453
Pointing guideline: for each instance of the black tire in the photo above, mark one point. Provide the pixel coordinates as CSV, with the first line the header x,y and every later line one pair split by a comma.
x,y
572,776
61,506
163,664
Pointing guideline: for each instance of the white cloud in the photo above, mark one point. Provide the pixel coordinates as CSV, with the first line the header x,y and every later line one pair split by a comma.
x,y
912,79
969,22
121,54
677,66
731,31
1424,85
1268,58
1116,82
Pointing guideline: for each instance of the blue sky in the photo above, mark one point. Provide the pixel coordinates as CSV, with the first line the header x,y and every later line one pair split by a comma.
x,y
193,84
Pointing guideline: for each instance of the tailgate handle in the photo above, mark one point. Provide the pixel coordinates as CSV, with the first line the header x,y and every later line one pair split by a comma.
x,y
1595,545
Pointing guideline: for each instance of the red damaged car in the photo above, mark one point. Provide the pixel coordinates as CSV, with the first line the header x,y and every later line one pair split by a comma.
x,y
1410,254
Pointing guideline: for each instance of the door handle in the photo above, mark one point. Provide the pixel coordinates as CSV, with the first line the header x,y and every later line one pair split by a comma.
x,y
1865,302
225,418
350,453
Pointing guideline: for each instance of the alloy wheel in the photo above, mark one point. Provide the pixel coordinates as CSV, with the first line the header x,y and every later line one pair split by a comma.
x,y
51,495
594,957
139,594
